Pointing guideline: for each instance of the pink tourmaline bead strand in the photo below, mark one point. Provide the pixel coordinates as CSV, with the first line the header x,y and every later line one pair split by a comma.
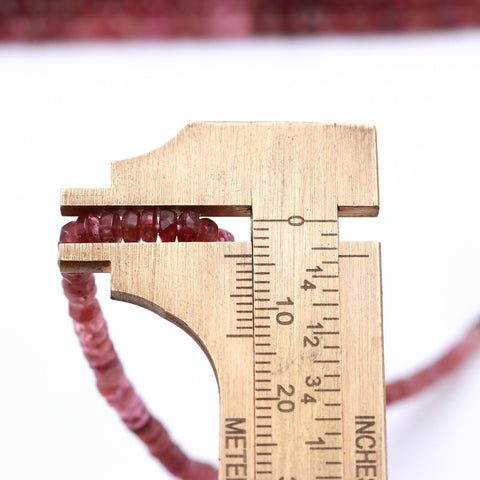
x,y
446,364
135,226
91,328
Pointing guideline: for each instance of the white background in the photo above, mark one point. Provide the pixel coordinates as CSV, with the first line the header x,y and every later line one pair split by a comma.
x,y
67,111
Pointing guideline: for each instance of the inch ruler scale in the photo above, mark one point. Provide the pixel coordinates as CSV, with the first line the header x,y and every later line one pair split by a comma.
x,y
291,321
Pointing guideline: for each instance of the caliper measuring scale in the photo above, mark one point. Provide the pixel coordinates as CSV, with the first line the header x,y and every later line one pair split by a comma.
x,y
291,321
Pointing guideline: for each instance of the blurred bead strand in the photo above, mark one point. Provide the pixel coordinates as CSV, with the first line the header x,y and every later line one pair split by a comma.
x,y
445,365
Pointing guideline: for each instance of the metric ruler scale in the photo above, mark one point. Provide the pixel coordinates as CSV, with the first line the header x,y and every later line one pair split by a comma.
x,y
297,355
291,321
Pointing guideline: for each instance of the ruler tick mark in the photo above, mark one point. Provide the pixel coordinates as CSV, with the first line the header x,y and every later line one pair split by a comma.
x,y
325,448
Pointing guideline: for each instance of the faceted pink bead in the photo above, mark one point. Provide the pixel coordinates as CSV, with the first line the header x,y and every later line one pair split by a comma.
x,y
99,351
108,379
79,229
131,226
67,233
112,380
97,360
208,231
78,284
167,228
149,226
188,227
110,228
95,325
92,224
84,313
225,236
81,299
137,416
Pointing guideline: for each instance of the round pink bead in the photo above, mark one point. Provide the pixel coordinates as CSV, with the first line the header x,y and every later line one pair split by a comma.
x,y
225,236
208,231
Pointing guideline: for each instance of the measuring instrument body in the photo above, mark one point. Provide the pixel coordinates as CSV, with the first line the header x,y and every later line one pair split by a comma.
x,y
290,321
